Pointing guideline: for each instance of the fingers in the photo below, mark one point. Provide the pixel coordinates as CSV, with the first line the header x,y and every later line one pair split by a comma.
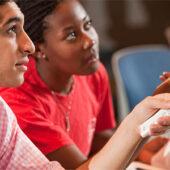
x,y
163,124
162,78
150,105
157,129
165,76
160,101
164,121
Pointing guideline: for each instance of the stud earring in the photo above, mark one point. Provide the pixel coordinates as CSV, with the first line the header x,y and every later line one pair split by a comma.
x,y
43,56
93,42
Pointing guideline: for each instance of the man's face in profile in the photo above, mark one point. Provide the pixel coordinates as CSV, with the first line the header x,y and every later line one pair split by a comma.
x,y
14,45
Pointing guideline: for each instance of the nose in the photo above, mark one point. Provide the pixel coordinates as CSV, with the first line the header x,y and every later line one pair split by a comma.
x,y
89,42
26,46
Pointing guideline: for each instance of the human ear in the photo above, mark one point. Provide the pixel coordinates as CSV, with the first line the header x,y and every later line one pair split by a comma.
x,y
39,54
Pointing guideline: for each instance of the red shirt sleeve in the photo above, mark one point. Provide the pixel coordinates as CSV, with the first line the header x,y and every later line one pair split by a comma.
x,y
105,119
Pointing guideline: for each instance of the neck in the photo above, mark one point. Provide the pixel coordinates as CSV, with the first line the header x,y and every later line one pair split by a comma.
x,y
55,79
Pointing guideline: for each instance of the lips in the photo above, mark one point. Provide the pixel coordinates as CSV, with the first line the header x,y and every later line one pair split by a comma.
x,y
93,57
21,65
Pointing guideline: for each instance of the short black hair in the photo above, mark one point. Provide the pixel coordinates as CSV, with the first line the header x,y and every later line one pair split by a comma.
x,y
2,2
35,12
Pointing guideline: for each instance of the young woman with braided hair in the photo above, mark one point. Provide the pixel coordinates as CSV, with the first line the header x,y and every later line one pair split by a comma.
x,y
65,99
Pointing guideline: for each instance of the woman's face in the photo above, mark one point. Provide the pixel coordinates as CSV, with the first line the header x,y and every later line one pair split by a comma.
x,y
71,42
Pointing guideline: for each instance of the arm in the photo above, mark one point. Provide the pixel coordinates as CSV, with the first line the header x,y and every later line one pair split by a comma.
x,y
100,139
127,138
69,156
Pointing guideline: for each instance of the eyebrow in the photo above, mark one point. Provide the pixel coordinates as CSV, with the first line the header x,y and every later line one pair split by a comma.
x,y
11,20
72,26
69,28
85,18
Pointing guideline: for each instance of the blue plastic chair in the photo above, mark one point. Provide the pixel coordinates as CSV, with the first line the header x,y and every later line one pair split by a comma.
x,y
136,71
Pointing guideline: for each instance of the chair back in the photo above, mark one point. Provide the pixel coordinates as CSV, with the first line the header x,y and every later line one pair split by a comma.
x,y
136,71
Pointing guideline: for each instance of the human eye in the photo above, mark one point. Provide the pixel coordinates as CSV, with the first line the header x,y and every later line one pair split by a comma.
x,y
88,25
71,36
12,30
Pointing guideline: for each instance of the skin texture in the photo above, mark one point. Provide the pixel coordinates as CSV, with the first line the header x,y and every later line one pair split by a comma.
x,y
14,46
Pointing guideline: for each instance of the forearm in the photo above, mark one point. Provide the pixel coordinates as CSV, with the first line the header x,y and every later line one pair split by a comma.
x,y
120,148
99,140
137,151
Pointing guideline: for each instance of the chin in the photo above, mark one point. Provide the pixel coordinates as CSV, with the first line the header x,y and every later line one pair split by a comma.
x,y
94,68
91,69
19,81
15,82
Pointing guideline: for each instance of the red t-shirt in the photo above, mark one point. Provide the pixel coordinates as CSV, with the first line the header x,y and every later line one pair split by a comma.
x,y
43,120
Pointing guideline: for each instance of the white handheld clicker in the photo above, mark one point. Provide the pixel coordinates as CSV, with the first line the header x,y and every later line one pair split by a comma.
x,y
144,128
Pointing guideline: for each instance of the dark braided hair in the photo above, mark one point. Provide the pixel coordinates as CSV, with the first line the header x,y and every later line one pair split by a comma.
x,y
35,12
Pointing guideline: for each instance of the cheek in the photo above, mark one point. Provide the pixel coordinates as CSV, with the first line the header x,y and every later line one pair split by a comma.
x,y
8,49
63,53
7,59
5,74
95,36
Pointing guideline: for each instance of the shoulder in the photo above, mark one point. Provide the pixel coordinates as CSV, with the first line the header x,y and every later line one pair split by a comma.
x,y
5,111
7,121
19,98
6,114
